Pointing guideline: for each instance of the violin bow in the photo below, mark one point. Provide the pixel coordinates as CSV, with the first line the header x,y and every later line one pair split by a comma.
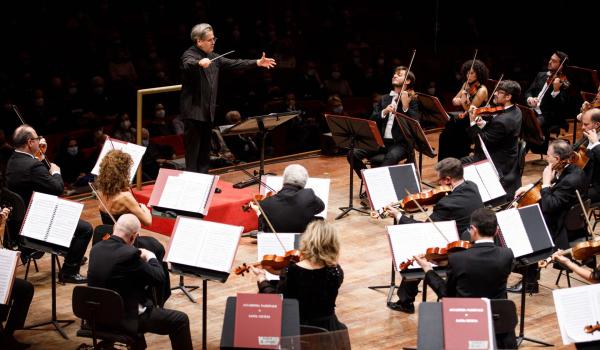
x,y
270,225
102,202
584,211
466,84
494,91
427,216
552,77
406,76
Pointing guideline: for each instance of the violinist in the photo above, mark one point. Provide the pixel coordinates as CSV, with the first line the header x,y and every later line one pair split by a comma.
x,y
293,207
26,174
560,180
315,280
396,148
549,98
454,141
500,135
458,205
592,276
590,122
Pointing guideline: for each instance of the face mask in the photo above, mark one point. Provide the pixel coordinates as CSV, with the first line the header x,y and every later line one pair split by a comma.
x,y
72,150
72,91
126,124
431,91
338,110
160,114
145,143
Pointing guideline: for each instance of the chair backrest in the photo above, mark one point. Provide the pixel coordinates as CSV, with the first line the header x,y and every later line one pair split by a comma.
x,y
575,218
100,231
103,306
504,315
306,329
521,153
15,220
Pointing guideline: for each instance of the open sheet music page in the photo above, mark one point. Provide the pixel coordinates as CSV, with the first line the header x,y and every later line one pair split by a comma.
x,y
318,185
267,243
381,187
577,308
409,240
51,219
514,232
8,264
485,177
487,155
203,244
135,151
188,191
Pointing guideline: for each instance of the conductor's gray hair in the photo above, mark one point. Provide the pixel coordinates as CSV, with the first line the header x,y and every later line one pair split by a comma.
x,y
200,30
295,174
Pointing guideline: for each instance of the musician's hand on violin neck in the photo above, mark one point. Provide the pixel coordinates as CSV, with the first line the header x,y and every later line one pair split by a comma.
x,y
592,135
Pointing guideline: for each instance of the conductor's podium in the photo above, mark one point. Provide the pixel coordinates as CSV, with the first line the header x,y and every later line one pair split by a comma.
x,y
226,208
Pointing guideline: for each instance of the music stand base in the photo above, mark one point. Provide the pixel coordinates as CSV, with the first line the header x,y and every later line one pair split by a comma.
x,y
185,289
252,181
392,289
346,210
520,339
55,323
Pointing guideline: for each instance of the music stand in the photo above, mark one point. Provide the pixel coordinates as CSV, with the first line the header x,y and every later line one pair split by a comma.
x,y
351,133
416,137
432,110
260,125
55,251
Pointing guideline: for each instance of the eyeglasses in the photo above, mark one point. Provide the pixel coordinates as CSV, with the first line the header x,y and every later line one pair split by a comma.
x,y
37,138
213,40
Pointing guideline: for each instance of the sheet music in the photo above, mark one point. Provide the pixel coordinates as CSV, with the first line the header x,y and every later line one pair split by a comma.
x,y
135,151
188,191
514,232
8,262
408,240
267,243
204,244
318,185
576,308
65,222
484,175
487,155
39,215
380,185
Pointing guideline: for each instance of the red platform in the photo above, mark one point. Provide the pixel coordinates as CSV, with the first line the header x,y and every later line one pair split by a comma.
x,y
226,208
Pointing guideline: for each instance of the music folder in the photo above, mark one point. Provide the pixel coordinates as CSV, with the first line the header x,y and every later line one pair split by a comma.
x,y
203,248
524,230
318,185
467,323
134,150
258,321
386,185
183,191
577,308
8,267
50,219
482,173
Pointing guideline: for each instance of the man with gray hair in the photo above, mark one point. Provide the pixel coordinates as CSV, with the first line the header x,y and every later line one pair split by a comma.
x,y
200,68
116,264
294,206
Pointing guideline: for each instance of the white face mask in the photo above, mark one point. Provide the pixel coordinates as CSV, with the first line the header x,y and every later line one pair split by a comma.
x,y
145,142
126,124
73,150
160,113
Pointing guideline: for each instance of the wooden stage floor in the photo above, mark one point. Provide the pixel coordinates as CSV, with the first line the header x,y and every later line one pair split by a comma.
x,y
365,258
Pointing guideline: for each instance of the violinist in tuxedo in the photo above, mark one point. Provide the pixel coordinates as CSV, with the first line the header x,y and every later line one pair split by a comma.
x,y
590,122
458,205
500,134
396,147
550,105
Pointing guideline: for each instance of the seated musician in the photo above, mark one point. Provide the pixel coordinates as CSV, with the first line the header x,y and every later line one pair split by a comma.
x,y
17,307
315,280
590,122
116,264
396,148
559,182
587,105
114,193
458,205
454,141
500,134
293,207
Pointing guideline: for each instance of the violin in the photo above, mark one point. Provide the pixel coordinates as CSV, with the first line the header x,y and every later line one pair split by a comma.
x,y
481,111
439,255
534,194
257,198
271,262
592,328
429,197
580,251
561,76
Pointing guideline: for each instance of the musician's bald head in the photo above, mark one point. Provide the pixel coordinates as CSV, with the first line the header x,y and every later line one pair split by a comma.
x,y
295,174
127,227
22,135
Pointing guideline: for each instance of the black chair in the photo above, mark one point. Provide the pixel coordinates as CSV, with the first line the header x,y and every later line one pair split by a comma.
x,y
312,337
575,223
521,153
504,316
99,306
306,329
101,232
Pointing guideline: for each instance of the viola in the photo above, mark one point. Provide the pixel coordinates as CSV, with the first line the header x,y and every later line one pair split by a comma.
x,y
429,197
257,198
471,92
487,111
272,263
534,194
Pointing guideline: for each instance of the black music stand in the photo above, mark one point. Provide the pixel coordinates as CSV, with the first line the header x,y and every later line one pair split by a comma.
x,y
432,110
351,133
55,251
260,125
416,137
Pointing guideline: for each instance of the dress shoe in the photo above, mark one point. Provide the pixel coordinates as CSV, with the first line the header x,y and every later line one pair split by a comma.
x,y
518,288
398,306
73,278
9,342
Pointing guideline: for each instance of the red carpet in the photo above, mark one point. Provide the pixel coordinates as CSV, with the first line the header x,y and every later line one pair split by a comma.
x,y
226,208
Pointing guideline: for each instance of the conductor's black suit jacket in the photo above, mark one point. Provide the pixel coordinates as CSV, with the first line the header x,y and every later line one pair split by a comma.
x,y
291,209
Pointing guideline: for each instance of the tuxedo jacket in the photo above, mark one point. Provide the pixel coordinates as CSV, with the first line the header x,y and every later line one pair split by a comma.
x,y
551,107
118,266
500,136
200,85
291,209
458,205
25,174
592,170
413,112
478,272
558,199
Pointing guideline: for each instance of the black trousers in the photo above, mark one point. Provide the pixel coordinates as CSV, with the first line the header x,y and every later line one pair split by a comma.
x,y
407,291
164,321
197,137
454,140
18,307
393,154
79,244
